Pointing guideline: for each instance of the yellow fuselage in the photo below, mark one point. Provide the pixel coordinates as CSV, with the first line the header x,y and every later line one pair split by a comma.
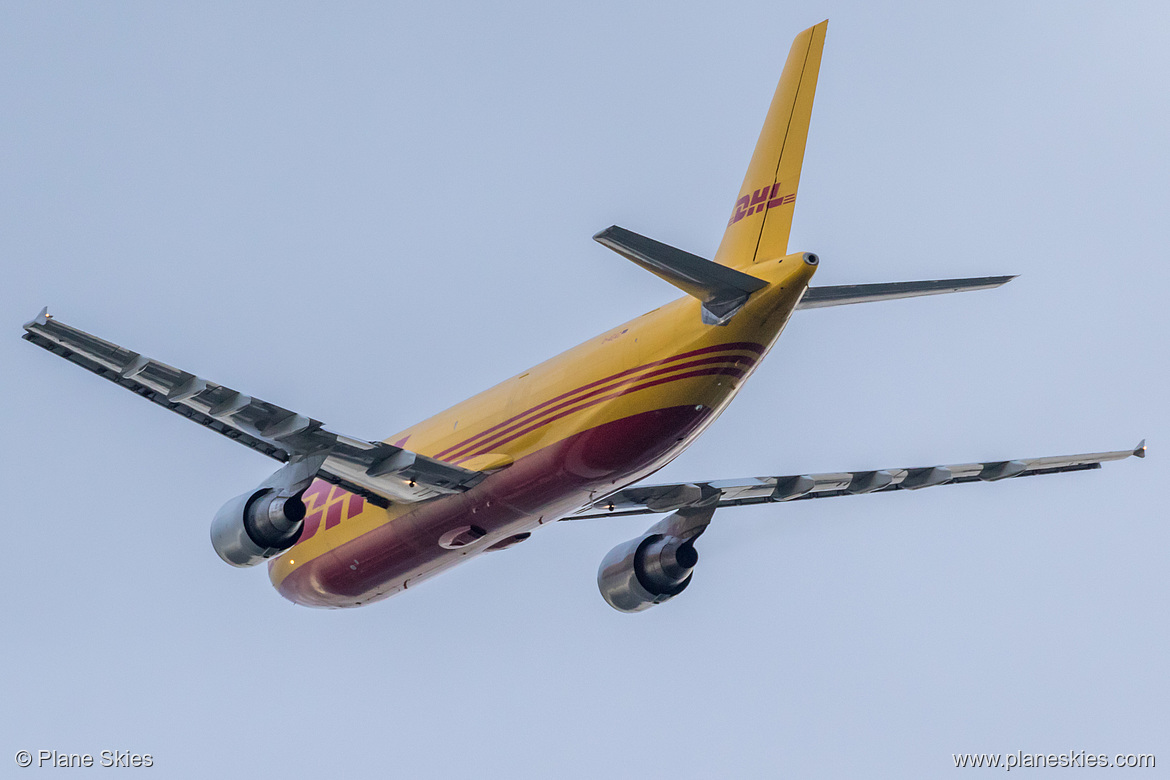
x,y
554,438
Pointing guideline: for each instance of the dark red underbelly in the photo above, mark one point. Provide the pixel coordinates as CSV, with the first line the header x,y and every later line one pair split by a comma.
x,y
537,488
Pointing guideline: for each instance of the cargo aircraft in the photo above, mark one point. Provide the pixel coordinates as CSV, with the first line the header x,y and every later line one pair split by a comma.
x,y
347,521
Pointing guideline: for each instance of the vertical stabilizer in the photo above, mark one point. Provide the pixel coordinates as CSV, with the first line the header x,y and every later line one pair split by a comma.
x,y
759,224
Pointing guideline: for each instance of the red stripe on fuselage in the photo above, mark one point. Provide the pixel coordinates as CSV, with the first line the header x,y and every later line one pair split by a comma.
x,y
548,415
728,371
741,346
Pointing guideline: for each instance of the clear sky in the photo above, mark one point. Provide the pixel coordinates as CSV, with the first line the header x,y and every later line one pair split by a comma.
x,y
367,212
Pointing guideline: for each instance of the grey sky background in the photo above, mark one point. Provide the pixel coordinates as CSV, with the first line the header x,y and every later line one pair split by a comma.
x,y
368,212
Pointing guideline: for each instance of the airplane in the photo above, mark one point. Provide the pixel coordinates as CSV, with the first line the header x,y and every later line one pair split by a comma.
x,y
347,521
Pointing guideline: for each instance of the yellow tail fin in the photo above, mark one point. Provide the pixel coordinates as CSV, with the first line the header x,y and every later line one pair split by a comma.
x,y
759,225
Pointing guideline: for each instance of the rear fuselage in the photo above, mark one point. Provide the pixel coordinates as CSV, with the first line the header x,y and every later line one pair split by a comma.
x,y
555,438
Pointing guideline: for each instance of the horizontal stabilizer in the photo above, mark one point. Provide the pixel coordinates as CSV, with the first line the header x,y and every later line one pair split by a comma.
x,y
818,297
722,290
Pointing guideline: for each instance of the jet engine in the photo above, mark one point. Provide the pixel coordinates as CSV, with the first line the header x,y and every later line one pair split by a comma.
x,y
643,572
656,567
257,525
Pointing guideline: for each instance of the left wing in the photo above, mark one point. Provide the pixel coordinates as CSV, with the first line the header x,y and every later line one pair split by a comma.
x,y
646,499
380,472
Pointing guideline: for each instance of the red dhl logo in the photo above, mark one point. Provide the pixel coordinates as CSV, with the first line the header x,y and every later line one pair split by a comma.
x,y
760,200
329,503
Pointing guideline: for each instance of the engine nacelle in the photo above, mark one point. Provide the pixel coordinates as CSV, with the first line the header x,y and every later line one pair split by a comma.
x,y
257,525
643,572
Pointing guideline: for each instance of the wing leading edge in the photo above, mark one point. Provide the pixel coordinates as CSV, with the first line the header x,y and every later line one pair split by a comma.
x,y
380,472
647,499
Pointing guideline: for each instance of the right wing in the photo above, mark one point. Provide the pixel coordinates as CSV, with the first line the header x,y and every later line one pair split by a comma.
x,y
646,499
380,472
